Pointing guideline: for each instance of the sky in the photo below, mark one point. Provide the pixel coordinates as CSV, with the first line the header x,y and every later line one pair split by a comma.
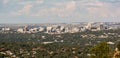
x,y
59,11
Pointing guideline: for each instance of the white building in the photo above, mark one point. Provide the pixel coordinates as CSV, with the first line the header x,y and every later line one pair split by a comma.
x,y
20,30
41,29
66,30
48,29
88,26
75,30
5,29
34,30
101,27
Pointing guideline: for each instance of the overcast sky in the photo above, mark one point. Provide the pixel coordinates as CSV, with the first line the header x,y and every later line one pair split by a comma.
x,y
59,11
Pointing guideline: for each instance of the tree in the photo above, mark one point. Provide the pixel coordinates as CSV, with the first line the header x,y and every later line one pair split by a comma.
x,y
118,46
117,51
101,50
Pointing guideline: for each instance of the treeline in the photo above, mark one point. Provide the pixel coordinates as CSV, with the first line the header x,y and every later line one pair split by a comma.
x,y
57,50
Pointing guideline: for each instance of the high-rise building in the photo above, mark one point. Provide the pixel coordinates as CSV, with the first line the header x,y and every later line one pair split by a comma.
x,y
88,26
21,30
25,28
48,29
101,27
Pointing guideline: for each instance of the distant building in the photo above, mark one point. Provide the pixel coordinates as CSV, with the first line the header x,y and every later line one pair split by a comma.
x,y
26,28
41,29
23,30
66,29
34,30
47,42
20,30
101,27
88,26
5,29
48,29
82,29
94,29
75,30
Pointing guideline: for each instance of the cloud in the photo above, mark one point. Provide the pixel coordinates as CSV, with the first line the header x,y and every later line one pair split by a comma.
x,y
90,3
25,10
111,1
98,9
31,2
116,13
72,9
39,1
5,2
93,8
60,9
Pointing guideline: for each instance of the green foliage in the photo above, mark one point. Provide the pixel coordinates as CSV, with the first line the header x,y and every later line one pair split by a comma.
x,y
118,54
26,42
101,50
118,46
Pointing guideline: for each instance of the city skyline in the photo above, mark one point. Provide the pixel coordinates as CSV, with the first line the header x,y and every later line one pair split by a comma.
x,y
59,11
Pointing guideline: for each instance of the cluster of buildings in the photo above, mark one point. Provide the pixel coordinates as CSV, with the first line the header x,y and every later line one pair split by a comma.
x,y
63,28
5,29
59,29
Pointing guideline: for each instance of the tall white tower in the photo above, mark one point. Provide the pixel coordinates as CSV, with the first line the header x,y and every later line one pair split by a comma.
x,y
89,25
